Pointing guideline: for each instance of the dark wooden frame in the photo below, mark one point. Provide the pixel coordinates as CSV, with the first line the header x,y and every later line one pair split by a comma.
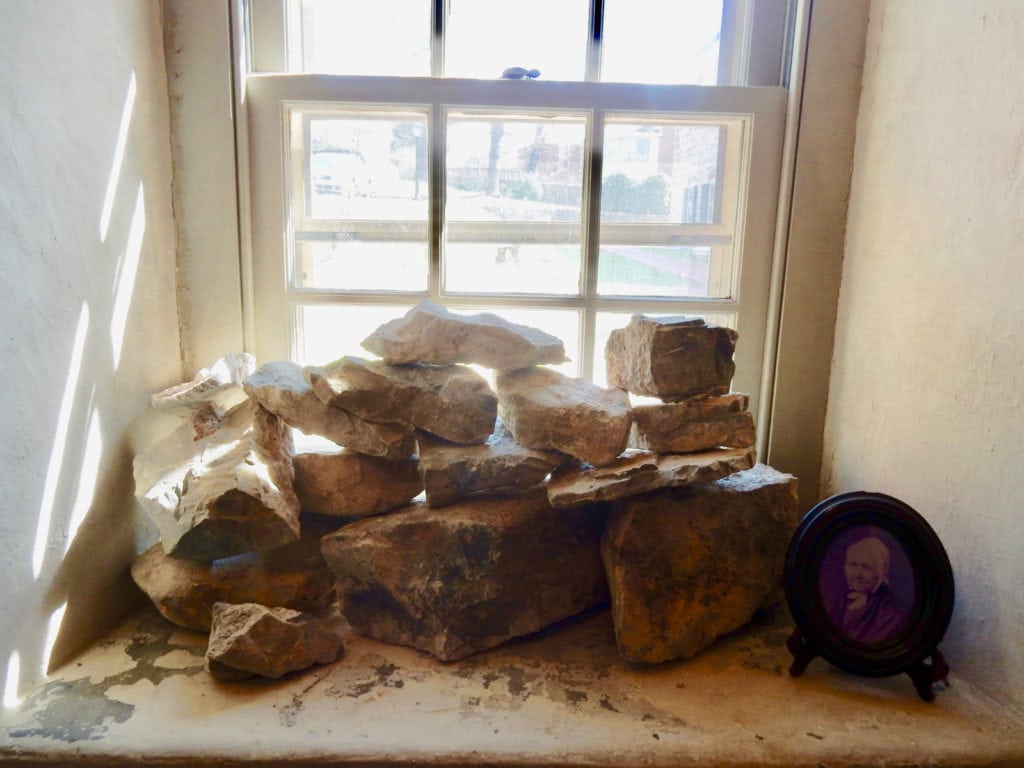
x,y
817,634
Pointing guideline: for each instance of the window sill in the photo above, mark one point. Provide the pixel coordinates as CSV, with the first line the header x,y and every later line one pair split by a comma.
x,y
141,697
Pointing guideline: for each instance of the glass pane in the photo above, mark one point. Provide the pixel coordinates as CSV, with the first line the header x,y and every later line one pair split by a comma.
x,y
514,196
662,172
380,38
653,270
661,41
354,265
606,322
486,37
325,332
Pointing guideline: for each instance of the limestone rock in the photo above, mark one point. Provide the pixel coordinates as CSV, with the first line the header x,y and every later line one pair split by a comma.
x,y
281,388
639,472
688,565
347,484
453,402
251,639
692,425
671,357
468,577
292,576
547,410
501,465
226,494
210,395
431,334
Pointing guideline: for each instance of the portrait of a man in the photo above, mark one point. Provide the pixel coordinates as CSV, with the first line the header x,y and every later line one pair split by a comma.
x,y
863,604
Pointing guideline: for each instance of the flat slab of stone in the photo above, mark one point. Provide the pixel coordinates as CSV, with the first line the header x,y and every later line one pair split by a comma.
x,y
453,402
452,472
249,639
282,389
686,566
638,472
294,576
225,494
353,485
546,410
692,425
671,357
431,334
465,578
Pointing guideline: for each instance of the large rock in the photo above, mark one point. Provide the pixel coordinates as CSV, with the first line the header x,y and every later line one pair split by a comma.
x,y
211,394
281,388
347,484
671,357
638,472
453,402
228,493
470,576
697,424
686,566
501,465
251,639
293,576
547,410
429,333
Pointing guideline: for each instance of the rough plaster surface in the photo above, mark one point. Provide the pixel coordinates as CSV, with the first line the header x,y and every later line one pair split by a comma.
x,y
142,698
86,307
926,396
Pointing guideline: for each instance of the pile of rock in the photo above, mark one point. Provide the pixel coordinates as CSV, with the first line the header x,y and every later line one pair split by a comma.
x,y
541,498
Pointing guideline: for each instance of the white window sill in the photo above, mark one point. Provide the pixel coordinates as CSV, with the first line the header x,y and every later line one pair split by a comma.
x,y
141,696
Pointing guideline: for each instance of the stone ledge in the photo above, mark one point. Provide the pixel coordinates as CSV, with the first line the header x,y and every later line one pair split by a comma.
x,y
140,697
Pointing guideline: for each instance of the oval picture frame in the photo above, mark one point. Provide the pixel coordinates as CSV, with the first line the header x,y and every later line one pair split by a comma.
x,y
870,589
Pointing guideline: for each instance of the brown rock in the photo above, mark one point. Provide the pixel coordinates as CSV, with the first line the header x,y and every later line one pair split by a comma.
x,y
547,410
226,494
281,388
671,358
468,577
431,334
293,576
347,484
639,472
501,465
249,639
686,566
452,402
692,425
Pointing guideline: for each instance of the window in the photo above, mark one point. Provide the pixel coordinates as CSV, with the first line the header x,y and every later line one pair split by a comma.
x,y
391,162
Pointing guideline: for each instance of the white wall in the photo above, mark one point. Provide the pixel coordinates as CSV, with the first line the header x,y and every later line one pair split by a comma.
x,y
927,392
87,310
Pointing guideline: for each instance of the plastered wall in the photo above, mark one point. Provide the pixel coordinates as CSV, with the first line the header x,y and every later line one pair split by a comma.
x,y
927,389
87,311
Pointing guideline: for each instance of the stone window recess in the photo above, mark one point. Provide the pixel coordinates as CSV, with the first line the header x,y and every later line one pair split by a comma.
x,y
451,516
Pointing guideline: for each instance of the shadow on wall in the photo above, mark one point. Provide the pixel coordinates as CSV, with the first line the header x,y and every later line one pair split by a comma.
x,y
93,317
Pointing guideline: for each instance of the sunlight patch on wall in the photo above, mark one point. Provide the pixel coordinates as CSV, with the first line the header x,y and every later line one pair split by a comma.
x,y
11,683
52,630
127,272
56,464
119,150
86,489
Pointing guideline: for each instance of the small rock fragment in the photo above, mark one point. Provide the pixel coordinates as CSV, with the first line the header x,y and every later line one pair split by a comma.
x,y
501,465
281,388
547,410
697,424
250,639
671,357
292,576
688,565
431,334
639,472
210,395
347,484
453,402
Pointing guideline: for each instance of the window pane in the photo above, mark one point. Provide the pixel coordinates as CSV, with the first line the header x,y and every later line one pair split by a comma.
x,y
486,37
513,202
354,265
661,41
379,38
653,270
325,332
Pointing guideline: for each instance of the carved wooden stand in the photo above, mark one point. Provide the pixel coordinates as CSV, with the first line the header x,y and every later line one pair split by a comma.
x,y
923,675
